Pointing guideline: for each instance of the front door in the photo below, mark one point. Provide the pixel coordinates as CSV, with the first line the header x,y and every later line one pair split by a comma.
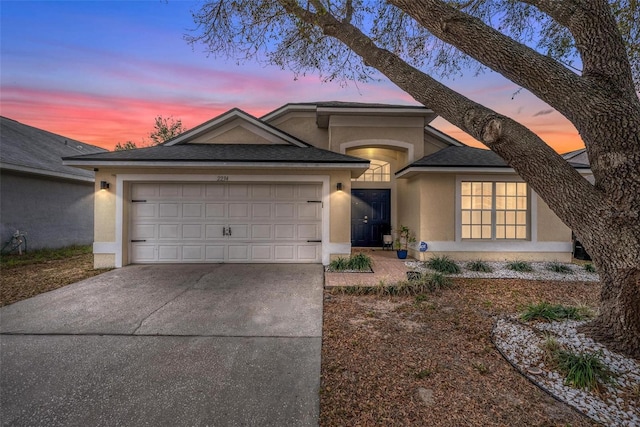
x,y
370,216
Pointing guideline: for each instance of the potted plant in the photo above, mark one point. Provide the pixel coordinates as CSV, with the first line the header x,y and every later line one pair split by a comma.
x,y
406,237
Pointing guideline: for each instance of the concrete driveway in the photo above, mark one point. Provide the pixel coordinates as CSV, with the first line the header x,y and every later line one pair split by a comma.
x,y
217,345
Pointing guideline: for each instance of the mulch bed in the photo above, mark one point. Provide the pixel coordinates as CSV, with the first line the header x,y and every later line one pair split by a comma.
x,y
429,360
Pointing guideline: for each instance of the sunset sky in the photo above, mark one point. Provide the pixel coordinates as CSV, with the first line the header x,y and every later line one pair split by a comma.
x,y
99,72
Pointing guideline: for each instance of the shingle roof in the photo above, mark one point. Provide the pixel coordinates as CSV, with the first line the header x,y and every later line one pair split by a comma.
x,y
28,148
254,153
466,157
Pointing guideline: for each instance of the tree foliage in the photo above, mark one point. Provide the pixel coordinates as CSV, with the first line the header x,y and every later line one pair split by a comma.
x,y
582,57
129,145
165,128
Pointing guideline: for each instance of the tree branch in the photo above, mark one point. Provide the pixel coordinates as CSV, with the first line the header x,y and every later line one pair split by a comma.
x,y
508,138
593,27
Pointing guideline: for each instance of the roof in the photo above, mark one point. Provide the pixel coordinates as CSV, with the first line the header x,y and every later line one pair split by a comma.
x,y
324,109
216,153
464,157
229,116
32,150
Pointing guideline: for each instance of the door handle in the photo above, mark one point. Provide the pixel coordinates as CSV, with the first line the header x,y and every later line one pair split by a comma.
x,y
366,219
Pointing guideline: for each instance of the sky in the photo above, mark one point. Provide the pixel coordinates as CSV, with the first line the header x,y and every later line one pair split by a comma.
x,y
101,71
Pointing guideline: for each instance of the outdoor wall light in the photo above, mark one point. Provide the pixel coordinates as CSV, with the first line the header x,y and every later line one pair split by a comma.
x,y
339,186
104,185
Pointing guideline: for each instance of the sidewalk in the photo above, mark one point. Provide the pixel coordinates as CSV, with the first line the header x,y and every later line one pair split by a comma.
x,y
386,267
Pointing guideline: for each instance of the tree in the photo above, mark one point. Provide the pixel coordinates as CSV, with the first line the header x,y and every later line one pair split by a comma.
x,y
129,145
165,129
535,44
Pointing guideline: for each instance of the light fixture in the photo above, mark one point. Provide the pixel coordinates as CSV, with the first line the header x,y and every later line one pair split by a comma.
x,y
339,186
104,185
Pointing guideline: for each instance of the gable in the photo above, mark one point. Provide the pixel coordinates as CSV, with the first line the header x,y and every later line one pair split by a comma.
x,y
236,127
237,131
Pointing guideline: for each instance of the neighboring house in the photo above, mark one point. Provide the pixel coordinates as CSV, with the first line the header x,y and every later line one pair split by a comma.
x,y
50,202
307,182
577,156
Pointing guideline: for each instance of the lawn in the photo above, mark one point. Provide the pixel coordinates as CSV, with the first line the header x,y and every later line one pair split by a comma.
x,y
429,360
35,272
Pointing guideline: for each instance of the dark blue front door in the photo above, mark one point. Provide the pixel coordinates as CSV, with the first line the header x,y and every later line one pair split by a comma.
x,y
370,216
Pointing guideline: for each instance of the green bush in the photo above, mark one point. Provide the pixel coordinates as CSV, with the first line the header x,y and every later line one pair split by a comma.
x,y
558,267
443,264
584,370
360,262
550,313
521,266
339,264
480,266
589,268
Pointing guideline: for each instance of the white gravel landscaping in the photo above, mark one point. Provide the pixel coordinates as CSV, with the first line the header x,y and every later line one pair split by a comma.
x,y
618,404
500,271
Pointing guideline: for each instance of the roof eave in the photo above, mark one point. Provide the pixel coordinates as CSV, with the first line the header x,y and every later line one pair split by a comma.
x,y
411,171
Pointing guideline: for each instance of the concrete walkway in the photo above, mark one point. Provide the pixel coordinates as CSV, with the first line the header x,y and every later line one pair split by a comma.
x,y
387,268
167,345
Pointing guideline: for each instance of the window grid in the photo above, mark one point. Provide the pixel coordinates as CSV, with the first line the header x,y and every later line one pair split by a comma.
x,y
378,171
494,210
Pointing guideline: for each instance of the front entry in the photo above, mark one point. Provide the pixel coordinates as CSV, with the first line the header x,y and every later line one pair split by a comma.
x,y
370,216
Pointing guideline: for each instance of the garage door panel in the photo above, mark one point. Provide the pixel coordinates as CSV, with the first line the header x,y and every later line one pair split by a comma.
x,y
140,191
238,252
261,253
260,210
169,231
192,210
285,211
310,211
168,253
307,252
143,252
261,231
238,210
308,231
169,190
190,222
192,231
214,231
192,190
285,231
214,253
214,191
192,253
215,210
284,253
144,210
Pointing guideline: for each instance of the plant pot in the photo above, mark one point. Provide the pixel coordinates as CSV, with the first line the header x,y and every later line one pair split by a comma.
x,y
402,253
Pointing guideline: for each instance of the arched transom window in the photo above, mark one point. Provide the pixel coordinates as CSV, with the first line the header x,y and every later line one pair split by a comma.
x,y
379,171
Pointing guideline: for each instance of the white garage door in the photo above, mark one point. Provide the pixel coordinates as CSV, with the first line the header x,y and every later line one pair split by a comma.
x,y
200,222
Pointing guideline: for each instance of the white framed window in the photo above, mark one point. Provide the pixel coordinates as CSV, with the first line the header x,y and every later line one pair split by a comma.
x,y
379,171
494,210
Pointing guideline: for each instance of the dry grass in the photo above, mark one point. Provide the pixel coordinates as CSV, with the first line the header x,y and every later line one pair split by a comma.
x,y
26,278
427,362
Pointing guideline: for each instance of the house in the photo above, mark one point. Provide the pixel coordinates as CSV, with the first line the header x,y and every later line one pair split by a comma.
x,y
309,181
52,204
577,156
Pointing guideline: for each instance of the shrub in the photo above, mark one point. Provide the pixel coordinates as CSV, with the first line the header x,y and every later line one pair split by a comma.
x,y
589,268
584,370
558,267
480,266
339,264
443,264
521,266
550,313
360,262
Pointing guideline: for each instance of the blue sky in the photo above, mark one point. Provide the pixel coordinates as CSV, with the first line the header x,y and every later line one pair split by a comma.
x,y
100,71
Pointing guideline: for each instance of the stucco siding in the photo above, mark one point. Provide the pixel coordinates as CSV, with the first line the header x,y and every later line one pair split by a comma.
x,y
53,213
550,227
303,126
